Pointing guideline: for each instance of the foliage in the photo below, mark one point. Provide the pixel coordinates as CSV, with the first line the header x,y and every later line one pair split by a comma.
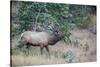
x,y
69,56
86,47
80,15
49,15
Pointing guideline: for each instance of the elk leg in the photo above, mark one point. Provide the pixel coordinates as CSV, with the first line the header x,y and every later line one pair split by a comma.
x,y
20,46
41,49
46,47
28,45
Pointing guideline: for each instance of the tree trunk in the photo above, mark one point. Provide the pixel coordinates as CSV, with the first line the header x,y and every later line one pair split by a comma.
x,y
34,26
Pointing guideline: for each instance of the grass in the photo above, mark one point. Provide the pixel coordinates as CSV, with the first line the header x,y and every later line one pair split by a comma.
x,y
69,56
86,47
34,60
32,56
84,51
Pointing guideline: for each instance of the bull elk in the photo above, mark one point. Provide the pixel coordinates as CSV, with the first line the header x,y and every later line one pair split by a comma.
x,y
42,39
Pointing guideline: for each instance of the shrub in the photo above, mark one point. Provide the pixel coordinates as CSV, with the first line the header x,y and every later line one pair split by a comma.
x,y
69,56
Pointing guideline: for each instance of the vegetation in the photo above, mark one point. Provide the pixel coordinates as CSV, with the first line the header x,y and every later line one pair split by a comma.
x,y
46,16
86,47
36,16
69,56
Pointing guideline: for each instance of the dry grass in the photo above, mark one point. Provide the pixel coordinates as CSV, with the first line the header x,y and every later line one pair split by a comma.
x,y
35,60
32,56
85,52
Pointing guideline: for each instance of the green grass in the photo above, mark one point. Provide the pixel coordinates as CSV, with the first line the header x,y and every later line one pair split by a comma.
x,y
69,56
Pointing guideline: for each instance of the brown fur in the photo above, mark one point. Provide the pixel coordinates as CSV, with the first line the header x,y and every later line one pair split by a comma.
x,y
42,39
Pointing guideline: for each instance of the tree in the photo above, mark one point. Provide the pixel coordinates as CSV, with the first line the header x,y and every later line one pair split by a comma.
x,y
50,15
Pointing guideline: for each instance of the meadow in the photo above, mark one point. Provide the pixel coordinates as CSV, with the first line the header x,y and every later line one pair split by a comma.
x,y
60,53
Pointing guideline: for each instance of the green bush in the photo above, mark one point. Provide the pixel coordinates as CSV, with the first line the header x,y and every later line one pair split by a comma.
x,y
62,16
69,56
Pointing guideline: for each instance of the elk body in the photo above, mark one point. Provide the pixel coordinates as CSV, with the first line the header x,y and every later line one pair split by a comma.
x,y
42,39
